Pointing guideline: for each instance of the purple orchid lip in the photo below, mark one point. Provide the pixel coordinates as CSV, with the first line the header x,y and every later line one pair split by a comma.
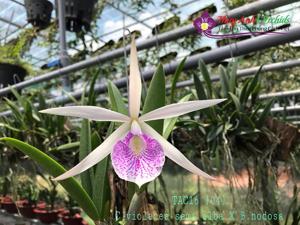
x,y
138,158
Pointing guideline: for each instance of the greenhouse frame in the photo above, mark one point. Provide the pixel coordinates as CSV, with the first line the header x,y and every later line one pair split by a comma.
x,y
147,112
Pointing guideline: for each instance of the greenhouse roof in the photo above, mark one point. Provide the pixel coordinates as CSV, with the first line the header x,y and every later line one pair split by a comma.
x,y
109,24
112,22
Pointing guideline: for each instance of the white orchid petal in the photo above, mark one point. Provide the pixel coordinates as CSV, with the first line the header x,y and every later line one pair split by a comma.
x,y
88,112
178,109
135,85
98,154
173,153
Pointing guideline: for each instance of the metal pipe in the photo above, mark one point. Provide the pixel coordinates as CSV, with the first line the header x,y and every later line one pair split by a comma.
x,y
215,55
10,22
127,14
288,108
280,94
246,10
62,32
239,48
19,3
250,71
63,54
240,73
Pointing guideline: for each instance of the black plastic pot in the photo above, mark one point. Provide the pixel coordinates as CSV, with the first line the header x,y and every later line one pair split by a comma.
x,y
79,14
11,74
39,12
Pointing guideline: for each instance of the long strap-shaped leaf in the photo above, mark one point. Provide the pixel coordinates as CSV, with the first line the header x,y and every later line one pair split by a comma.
x,y
85,148
73,188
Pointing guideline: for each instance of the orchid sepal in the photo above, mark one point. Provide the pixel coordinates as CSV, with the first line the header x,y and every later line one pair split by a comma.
x,y
178,109
88,112
98,154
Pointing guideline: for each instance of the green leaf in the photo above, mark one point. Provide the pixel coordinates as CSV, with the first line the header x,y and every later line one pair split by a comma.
x,y
265,113
243,99
253,83
232,79
10,127
42,101
170,123
236,101
73,188
84,149
199,88
101,190
206,78
224,81
91,96
214,132
210,113
83,100
178,71
68,146
116,100
247,120
156,97
18,96
71,97
16,113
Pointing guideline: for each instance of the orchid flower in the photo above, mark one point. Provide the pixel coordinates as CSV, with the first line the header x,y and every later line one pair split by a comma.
x,y
137,150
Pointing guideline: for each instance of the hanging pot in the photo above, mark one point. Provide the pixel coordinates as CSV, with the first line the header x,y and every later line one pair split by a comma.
x,y
11,74
39,12
79,14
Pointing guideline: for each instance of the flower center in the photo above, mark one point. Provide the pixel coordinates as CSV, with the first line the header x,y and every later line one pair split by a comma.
x,y
137,145
204,26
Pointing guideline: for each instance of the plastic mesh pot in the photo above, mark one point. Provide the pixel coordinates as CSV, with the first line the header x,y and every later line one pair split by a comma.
x,y
79,14
39,12
11,74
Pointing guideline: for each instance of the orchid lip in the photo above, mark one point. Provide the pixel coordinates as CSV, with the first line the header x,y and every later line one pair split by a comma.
x,y
138,158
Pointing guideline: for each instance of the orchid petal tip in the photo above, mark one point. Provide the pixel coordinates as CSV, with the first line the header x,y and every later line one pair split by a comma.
x,y
55,179
43,111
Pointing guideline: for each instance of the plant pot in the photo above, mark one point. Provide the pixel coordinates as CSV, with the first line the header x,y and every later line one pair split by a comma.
x,y
26,209
39,12
46,216
79,14
11,74
75,220
41,205
8,205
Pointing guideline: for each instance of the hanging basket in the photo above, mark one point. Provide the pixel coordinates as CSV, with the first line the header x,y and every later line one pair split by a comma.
x,y
11,74
79,14
39,12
